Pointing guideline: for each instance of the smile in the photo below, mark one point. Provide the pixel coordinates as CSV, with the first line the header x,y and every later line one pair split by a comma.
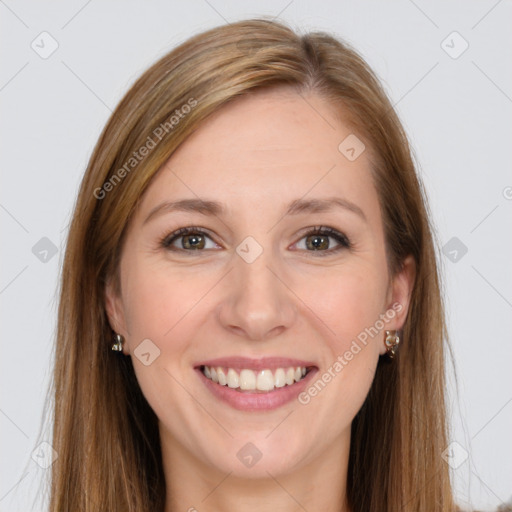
x,y
255,384
248,380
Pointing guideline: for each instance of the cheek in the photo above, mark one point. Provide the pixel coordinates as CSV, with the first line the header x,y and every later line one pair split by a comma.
x,y
347,299
158,301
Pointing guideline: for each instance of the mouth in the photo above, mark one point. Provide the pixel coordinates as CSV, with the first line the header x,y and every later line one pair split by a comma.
x,y
250,381
256,385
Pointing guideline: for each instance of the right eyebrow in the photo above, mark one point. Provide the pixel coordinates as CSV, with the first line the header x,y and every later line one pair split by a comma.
x,y
187,205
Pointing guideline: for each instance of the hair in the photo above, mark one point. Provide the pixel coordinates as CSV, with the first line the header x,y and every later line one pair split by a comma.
x,y
104,431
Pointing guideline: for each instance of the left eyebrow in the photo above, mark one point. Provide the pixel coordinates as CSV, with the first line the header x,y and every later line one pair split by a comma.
x,y
323,205
296,207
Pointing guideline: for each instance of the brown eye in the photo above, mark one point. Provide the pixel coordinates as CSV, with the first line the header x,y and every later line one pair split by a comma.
x,y
319,240
195,241
316,242
188,239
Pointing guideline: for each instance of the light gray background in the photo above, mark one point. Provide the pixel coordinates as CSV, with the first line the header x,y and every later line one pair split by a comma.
x,y
456,111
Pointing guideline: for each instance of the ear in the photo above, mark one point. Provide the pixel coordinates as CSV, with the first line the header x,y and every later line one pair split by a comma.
x,y
400,292
115,311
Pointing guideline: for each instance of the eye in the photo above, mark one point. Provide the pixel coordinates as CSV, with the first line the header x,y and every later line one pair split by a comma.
x,y
318,240
192,239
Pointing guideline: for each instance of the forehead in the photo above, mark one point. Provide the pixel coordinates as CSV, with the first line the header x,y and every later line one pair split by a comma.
x,y
272,146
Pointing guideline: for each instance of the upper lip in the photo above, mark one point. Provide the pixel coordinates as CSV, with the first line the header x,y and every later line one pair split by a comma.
x,y
263,363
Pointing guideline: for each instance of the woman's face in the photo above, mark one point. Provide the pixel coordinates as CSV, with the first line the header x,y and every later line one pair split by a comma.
x,y
258,288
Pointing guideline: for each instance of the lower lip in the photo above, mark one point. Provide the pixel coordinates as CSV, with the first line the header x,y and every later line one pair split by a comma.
x,y
247,401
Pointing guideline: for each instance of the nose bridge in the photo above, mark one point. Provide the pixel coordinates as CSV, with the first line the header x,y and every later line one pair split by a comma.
x,y
259,302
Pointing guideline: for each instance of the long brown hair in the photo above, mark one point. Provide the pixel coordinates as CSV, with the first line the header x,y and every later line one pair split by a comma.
x,y
104,431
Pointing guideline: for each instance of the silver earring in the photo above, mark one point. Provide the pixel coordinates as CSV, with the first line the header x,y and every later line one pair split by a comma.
x,y
391,341
118,345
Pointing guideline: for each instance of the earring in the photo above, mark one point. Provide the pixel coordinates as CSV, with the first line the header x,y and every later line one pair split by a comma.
x,y
118,345
391,341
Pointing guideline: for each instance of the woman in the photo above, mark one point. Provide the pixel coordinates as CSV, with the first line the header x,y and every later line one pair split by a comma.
x,y
250,314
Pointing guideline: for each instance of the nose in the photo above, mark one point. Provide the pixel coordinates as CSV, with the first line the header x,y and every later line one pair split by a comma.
x,y
257,305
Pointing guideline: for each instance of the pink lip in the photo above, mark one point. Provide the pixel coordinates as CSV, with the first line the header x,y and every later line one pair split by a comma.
x,y
264,363
258,401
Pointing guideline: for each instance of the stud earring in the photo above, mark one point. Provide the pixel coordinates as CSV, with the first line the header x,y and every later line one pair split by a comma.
x,y
391,341
118,345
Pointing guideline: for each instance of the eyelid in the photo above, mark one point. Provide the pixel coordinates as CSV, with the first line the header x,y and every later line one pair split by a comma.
x,y
342,240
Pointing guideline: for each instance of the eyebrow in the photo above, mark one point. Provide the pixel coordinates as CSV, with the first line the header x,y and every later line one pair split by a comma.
x,y
214,208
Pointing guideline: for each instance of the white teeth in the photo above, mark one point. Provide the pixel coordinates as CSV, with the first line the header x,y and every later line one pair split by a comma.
x,y
249,380
232,378
265,381
222,377
279,378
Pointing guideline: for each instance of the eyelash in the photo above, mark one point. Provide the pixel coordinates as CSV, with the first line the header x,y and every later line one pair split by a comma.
x,y
343,241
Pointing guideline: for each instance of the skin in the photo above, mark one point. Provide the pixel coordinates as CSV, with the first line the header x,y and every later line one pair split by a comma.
x,y
256,155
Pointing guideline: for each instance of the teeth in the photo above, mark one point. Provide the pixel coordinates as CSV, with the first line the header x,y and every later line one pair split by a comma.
x,y
222,377
265,381
232,378
279,378
248,380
